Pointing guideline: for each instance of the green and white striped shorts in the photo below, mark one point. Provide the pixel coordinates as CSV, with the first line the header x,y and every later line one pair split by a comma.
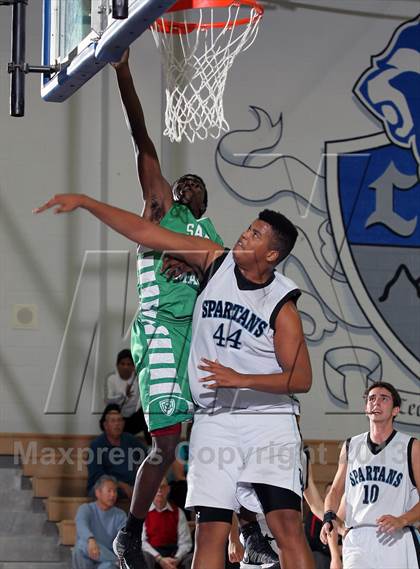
x,y
160,351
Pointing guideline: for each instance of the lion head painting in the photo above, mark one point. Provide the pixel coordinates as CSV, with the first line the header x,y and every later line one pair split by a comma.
x,y
390,88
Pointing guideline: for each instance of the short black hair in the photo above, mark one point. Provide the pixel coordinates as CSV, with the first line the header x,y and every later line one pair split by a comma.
x,y
284,230
124,354
396,398
197,180
111,407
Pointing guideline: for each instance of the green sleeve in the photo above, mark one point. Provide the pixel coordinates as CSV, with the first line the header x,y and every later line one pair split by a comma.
x,y
212,233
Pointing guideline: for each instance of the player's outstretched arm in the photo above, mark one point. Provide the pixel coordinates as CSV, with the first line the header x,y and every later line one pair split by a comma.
x,y
198,252
157,193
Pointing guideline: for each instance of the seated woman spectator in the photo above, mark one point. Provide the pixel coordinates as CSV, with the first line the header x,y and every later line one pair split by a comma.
x,y
115,453
122,388
97,524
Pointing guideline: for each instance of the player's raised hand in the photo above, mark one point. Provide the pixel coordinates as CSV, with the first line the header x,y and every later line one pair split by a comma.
x,y
220,375
123,61
63,203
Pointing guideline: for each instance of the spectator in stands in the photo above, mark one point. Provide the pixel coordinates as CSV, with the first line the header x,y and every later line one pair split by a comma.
x,y
122,388
166,538
97,524
115,453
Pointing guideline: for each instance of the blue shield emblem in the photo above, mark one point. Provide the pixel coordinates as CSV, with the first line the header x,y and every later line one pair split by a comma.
x,y
390,87
373,193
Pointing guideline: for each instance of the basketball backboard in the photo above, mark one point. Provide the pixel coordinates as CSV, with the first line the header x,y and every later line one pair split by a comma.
x,y
81,37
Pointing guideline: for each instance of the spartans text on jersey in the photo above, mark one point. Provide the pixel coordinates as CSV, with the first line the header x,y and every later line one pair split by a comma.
x,y
230,311
376,474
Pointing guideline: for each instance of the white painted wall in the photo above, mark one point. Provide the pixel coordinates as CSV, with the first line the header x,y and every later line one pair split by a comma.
x,y
304,64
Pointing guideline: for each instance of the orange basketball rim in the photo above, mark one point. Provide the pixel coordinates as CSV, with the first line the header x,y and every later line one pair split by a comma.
x,y
172,27
199,41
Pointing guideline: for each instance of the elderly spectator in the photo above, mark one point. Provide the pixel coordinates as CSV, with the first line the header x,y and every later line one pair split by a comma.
x,y
97,524
115,453
122,388
166,535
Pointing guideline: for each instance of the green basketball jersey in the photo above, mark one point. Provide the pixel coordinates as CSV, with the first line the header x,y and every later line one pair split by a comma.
x,y
170,299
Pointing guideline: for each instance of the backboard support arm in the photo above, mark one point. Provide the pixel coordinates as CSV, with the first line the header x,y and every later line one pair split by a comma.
x,y
17,80
18,67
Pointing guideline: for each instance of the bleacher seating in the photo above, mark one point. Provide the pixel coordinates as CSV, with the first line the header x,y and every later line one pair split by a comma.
x,y
66,485
67,532
59,474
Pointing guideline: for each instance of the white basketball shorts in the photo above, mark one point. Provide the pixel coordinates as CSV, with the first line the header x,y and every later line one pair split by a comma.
x,y
365,548
230,451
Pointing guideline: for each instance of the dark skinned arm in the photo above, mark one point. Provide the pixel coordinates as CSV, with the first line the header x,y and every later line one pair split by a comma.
x,y
198,252
157,193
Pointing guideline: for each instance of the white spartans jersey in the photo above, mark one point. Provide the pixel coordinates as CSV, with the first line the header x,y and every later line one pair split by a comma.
x,y
379,479
233,323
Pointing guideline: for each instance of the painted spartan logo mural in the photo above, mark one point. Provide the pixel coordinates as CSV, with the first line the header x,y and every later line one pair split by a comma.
x,y
362,239
373,192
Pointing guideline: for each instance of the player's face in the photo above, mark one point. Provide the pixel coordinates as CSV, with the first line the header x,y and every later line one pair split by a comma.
x,y
125,368
254,244
380,406
191,194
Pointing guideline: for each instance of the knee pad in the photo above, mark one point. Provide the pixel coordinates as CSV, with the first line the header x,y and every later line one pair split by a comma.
x,y
276,498
209,514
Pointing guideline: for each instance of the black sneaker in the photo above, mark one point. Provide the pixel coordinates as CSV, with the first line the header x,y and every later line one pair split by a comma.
x,y
258,550
127,547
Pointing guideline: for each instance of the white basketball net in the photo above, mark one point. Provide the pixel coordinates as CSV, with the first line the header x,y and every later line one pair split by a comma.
x,y
196,65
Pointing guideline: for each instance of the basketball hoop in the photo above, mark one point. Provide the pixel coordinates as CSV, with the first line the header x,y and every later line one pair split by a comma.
x,y
199,40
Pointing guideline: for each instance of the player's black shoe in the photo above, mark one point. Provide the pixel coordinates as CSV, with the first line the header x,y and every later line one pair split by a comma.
x,y
258,550
127,547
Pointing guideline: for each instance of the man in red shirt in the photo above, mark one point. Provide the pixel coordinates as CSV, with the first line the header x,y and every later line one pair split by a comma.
x,y
166,538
